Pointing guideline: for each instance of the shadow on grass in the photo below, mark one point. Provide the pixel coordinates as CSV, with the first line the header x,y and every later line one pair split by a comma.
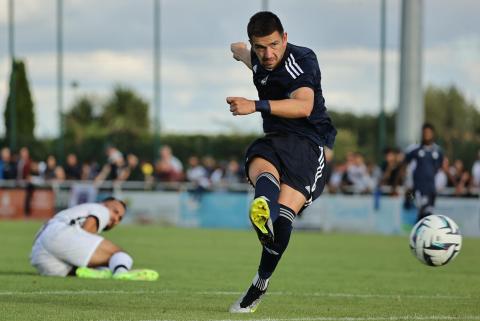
x,y
17,273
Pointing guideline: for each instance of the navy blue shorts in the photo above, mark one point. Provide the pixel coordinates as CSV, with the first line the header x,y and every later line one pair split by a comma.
x,y
299,161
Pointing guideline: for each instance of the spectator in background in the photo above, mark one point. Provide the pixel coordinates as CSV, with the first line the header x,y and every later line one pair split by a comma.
x,y
52,172
233,173
24,173
476,172
8,169
442,178
168,168
72,169
133,171
112,170
357,174
391,170
337,178
24,164
197,174
214,171
460,177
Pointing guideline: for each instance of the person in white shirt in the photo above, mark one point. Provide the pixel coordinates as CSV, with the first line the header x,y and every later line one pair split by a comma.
x,y
70,244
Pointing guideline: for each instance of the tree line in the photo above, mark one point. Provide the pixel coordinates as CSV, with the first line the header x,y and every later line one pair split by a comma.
x,y
122,120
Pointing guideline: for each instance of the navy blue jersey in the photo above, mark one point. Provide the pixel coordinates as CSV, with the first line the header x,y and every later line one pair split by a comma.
x,y
428,159
298,68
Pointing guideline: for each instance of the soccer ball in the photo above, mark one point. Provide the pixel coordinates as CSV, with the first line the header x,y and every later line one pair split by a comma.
x,y
435,240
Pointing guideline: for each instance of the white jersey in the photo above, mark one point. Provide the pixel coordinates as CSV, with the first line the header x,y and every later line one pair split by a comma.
x,y
62,243
78,214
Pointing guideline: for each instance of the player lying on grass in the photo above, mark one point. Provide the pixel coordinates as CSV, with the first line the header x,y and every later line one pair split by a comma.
x,y
69,244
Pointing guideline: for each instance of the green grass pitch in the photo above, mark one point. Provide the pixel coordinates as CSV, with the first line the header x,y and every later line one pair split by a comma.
x,y
323,277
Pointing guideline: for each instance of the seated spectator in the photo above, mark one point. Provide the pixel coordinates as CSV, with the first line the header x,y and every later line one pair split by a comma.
x,y
197,174
52,171
133,171
214,171
442,177
8,169
72,169
358,176
168,168
233,173
337,178
460,178
112,170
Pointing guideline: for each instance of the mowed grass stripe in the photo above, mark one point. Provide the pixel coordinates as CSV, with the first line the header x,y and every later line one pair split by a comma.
x,y
233,293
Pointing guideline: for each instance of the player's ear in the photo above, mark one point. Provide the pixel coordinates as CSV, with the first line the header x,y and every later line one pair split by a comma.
x,y
285,38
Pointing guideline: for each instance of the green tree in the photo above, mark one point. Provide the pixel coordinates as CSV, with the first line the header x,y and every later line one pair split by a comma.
x,y
20,99
457,121
125,116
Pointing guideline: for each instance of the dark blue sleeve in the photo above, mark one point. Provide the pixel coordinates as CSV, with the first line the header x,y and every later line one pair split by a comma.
x,y
409,156
306,72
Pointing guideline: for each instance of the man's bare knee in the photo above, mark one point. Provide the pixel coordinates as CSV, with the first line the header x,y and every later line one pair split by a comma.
x,y
103,253
260,165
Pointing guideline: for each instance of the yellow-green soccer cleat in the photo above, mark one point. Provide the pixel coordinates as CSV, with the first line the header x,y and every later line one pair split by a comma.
x,y
91,273
260,218
137,275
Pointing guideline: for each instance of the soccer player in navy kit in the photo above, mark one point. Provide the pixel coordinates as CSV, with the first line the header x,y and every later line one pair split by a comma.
x,y
428,158
286,166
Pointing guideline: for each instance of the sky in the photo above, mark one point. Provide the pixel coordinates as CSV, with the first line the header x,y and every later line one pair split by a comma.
x,y
110,42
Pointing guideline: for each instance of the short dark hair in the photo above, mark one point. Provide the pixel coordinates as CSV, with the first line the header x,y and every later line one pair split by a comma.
x,y
111,198
428,126
264,23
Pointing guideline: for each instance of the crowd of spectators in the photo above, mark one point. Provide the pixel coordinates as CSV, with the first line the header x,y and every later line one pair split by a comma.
x,y
355,175
358,176
204,172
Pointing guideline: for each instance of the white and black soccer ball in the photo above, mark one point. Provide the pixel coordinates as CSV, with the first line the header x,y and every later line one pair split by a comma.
x,y
435,240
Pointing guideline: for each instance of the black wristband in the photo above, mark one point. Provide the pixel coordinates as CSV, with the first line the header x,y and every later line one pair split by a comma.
x,y
262,106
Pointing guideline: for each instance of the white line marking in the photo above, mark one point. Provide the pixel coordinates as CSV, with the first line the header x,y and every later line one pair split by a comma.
x,y
233,293
390,318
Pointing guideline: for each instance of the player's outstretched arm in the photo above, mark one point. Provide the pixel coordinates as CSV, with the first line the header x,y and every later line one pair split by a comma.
x,y
299,105
241,53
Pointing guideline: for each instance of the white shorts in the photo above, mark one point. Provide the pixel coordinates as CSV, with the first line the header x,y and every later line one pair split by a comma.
x,y
60,247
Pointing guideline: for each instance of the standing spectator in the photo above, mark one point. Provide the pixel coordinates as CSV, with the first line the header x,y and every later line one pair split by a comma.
x,y
391,170
24,165
168,167
428,158
8,169
24,171
476,171
72,168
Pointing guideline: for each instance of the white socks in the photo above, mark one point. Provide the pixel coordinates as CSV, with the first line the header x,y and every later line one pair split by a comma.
x,y
120,262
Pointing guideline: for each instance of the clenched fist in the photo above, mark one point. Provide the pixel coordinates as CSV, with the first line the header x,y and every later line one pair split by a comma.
x,y
241,106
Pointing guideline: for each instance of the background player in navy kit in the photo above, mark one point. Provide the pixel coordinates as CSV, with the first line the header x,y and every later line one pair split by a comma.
x,y
287,165
427,158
